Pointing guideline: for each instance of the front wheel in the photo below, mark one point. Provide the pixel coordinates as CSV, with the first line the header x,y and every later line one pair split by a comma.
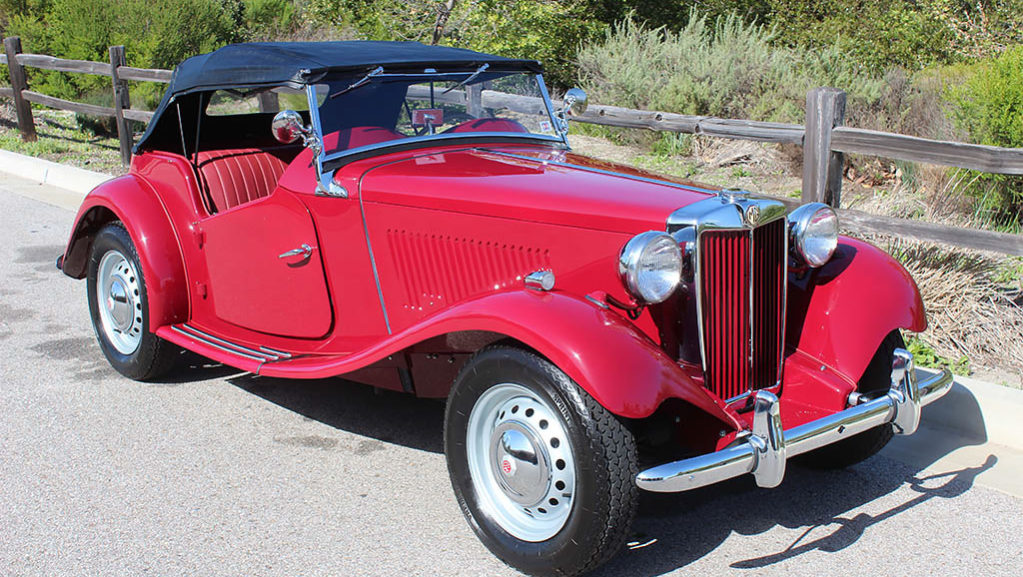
x,y
542,472
119,306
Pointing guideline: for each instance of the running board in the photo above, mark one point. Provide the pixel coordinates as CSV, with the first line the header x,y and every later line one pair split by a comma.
x,y
260,355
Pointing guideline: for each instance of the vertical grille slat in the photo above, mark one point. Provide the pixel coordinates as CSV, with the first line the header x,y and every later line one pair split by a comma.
x,y
742,287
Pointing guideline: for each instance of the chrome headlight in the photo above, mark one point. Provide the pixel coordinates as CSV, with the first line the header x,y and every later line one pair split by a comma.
x,y
813,233
651,266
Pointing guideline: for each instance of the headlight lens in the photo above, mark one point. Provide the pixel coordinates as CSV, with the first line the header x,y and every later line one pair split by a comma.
x,y
651,266
813,230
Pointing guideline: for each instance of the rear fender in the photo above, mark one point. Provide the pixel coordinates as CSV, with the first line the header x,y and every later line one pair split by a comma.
x,y
840,313
131,201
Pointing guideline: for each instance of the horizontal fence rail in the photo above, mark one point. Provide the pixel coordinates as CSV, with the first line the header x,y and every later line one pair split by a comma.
x,y
823,138
116,69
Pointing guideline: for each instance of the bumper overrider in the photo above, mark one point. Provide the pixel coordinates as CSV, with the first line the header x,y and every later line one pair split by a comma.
x,y
764,450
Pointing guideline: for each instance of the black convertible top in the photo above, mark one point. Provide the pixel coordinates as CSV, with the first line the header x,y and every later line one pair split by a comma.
x,y
296,64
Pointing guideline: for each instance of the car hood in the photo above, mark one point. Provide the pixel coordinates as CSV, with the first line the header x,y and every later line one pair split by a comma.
x,y
532,184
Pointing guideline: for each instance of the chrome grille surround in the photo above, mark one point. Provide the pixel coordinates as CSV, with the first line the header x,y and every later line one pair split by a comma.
x,y
728,211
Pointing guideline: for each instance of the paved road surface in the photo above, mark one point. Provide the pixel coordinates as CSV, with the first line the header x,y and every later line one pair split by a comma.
x,y
219,473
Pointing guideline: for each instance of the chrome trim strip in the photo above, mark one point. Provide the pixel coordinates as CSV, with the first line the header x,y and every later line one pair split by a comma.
x,y
280,354
451,139
270,356
177,329
765,451
599,171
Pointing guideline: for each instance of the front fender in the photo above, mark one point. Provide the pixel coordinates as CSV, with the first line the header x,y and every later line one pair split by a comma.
x,y
840,313
134,203
619,366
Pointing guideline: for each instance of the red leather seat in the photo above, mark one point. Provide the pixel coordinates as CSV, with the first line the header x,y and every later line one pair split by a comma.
x,y
358,136
488,125
235,176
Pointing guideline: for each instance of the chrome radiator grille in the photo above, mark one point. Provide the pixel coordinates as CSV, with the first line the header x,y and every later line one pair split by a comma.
x,y
742,292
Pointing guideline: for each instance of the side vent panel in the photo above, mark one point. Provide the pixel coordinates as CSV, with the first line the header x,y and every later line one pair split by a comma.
x,y
441,270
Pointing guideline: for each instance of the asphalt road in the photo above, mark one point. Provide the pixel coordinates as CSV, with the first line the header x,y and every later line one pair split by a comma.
x,y
219,473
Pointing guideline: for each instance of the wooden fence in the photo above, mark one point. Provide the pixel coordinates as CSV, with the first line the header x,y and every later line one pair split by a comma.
x,y
823,138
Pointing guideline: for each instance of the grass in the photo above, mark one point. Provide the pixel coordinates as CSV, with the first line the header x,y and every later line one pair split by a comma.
x,y
925,356
61,140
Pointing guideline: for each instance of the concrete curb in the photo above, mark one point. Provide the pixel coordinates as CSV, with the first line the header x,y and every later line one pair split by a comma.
x,y
978,411
972,409
77,180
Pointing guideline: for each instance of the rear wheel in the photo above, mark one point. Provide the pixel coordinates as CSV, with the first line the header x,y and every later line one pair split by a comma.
x,y
119,307
876,381
542,472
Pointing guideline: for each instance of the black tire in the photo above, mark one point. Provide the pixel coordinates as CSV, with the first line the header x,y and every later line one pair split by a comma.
x,y
153,356
604,500
875,380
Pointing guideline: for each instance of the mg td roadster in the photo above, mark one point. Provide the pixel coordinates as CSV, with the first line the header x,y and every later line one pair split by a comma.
x,y
412,217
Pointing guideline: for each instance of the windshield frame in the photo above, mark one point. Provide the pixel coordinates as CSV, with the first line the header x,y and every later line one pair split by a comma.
x,y
336,159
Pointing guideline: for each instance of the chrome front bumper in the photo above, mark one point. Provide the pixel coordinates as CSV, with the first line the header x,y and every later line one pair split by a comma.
x,y
765,450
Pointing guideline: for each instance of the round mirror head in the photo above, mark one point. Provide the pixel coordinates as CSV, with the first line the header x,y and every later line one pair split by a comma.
x,y
287,126
575,101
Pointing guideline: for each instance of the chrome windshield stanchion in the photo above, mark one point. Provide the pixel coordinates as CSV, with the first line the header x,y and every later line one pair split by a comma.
x,y
765,449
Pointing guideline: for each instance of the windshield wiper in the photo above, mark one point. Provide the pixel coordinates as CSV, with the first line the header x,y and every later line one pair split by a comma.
x,y
471,77
362,81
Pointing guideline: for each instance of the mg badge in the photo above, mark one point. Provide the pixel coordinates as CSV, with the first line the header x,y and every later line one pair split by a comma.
x,y
753,215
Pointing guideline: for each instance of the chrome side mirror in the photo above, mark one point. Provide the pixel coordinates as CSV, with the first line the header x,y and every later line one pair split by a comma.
x,y
287,127
575,101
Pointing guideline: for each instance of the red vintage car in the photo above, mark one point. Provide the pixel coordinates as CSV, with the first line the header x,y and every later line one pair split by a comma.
x,y
411,217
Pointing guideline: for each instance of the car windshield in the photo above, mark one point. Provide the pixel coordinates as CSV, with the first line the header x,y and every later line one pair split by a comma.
x,y
374,109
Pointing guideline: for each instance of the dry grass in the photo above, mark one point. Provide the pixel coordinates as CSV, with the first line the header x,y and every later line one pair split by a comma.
x,y
973,300
970,314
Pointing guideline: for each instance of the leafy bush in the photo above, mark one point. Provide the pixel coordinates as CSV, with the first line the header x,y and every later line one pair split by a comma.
x,y
989,105
97,125
546,30
155,33
724,68
269,19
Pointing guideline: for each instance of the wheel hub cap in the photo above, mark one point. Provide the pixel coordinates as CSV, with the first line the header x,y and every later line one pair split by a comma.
x,y
521,463
118,294
118,305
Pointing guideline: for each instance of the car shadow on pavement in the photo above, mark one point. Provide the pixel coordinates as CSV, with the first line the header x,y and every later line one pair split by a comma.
x,y
675,530
387,416
671,530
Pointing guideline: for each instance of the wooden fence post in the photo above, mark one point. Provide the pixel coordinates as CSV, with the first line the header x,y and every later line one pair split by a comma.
x,y
122,100
474,100
822,168
12,47
269,102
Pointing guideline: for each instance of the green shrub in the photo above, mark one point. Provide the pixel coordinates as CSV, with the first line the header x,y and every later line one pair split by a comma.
x,y
988,104
97,125
725,67
155,33
269,19
545,30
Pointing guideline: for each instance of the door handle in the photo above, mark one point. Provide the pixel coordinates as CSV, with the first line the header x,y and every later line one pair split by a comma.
x,y
305,250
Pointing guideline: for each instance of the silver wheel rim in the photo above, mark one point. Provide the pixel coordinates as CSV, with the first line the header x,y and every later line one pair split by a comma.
x,y
520,461
119,301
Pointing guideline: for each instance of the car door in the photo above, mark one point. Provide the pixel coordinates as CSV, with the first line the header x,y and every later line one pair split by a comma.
x,y
265,269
